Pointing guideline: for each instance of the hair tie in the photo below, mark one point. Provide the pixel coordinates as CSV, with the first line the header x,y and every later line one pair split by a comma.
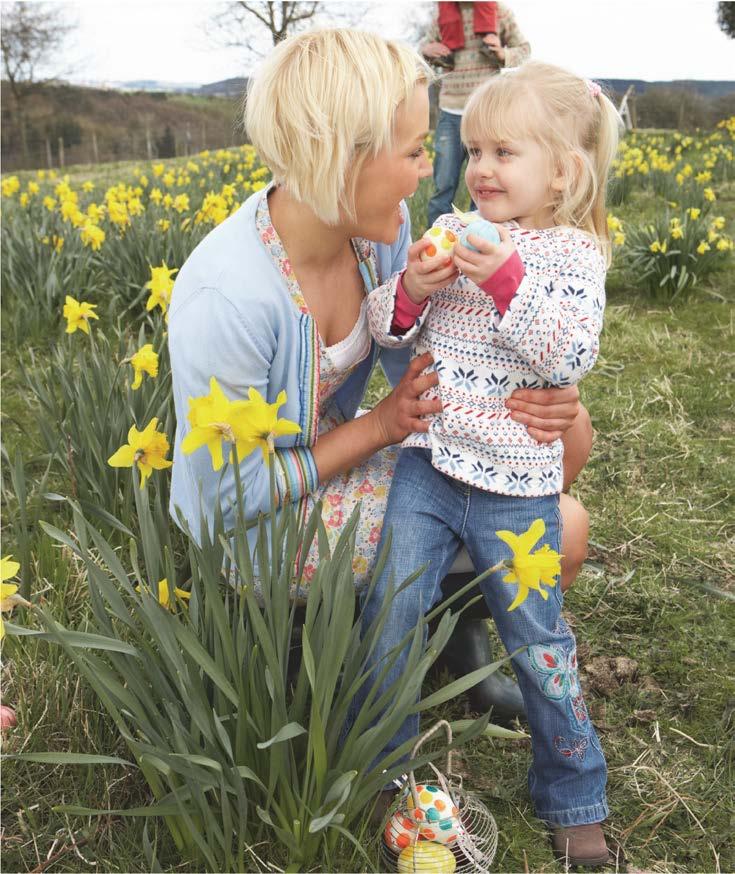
x,y
593,87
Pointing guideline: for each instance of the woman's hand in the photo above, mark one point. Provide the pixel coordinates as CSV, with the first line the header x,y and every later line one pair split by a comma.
x,y
399,414
546,412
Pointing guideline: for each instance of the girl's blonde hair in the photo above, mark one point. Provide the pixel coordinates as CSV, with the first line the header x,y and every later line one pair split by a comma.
x,y
324,102
571,118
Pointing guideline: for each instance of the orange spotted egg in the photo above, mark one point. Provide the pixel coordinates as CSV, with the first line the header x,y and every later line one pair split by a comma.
x,y
442,245
437,815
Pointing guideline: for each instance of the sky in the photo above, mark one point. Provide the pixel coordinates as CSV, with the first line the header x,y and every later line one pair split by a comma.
x,y
639,39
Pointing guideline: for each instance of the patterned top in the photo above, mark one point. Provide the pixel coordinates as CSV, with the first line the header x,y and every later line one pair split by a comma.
x,y
549,336
471,67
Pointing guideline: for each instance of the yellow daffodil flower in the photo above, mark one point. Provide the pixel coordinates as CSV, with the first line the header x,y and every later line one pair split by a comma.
x,y
8,568
163,225
78,314
181,203
92,236
530,570
161,285
702,248
694,212
147,449
262,422
10,186
676,232
164,594
8,591
214,418
88,186
709,194
145,360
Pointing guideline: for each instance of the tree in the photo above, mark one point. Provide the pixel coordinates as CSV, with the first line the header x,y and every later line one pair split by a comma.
x,y
235,24
726,18
30,37
258,26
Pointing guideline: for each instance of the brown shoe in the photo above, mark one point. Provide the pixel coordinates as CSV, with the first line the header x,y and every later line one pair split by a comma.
x,y
582,845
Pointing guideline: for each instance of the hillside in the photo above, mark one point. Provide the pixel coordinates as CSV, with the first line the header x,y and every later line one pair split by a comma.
x,y
98,125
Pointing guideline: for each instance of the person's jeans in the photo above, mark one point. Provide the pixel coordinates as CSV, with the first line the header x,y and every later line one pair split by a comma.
x,y
449,155
431,515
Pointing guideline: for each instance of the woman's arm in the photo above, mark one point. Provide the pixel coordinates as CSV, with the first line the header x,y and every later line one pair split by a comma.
x,y
395,417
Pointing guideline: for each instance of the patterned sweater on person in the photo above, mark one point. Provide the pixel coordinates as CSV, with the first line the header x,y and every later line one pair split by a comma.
x,y
548,336
471,67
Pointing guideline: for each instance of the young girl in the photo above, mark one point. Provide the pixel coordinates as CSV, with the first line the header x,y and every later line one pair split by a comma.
x,y
526,311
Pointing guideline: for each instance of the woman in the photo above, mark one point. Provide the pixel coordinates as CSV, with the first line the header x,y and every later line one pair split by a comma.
x,y
274,297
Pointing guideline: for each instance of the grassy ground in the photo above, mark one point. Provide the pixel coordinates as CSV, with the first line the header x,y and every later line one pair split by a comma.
x,y
653,613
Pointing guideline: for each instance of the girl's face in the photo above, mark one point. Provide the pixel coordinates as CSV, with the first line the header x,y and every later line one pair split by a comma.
x,y
512,181
394,174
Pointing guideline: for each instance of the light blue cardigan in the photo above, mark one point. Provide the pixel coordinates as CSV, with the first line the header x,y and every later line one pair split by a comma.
x,y
232,317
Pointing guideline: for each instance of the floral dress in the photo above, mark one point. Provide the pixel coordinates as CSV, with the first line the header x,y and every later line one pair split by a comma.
x,y
367,484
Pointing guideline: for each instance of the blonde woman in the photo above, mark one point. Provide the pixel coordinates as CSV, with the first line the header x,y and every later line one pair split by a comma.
x,y
275,296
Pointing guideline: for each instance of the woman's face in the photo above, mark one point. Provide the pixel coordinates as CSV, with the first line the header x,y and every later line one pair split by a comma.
x,y
395,173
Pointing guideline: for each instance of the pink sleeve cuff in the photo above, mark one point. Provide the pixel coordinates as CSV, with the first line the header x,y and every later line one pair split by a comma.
x,y
406,311
503,284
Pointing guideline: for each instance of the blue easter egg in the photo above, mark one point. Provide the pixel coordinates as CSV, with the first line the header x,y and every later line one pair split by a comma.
x,y
480,228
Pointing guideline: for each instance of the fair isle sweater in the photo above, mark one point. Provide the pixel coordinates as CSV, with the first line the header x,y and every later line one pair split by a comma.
x,y
548,336
471,67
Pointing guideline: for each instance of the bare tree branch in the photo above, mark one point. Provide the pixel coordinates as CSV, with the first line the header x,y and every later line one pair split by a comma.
x,y
31,35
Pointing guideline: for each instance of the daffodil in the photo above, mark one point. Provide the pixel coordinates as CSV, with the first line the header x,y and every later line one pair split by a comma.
x,y
214,418
145,360
8,591
77,315
694,212
164,594
262,423
92,236
161,285
702,248
530,570
8,568
147,449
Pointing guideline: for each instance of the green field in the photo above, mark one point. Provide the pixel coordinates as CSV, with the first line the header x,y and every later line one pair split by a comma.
x,y
652,610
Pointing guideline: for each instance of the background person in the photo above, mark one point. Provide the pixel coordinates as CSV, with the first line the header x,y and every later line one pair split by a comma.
x,y
474,59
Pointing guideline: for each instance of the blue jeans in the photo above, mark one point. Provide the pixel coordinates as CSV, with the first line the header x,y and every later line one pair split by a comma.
x,y
449,156
431,515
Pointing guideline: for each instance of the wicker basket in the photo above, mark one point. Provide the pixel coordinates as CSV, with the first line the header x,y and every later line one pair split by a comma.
x,y
437,827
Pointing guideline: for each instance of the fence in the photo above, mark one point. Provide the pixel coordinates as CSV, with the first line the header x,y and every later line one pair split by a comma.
x,y
145,144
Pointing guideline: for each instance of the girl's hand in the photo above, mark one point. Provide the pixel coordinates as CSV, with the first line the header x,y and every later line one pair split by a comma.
x,y
479,266
546,412
399,414
421,280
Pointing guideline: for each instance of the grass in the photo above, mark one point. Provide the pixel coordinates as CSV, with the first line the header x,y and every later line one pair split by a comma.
x,y
653,613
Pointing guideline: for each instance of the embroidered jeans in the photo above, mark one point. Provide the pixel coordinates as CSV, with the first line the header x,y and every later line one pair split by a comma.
x,y
431,515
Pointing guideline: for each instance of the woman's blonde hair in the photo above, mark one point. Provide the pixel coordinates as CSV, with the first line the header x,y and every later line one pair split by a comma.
x,y
571,118
323,103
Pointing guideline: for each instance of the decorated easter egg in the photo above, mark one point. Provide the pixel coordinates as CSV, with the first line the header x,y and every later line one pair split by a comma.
x,y
436,816
442,245
426,857
400,832
480,228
